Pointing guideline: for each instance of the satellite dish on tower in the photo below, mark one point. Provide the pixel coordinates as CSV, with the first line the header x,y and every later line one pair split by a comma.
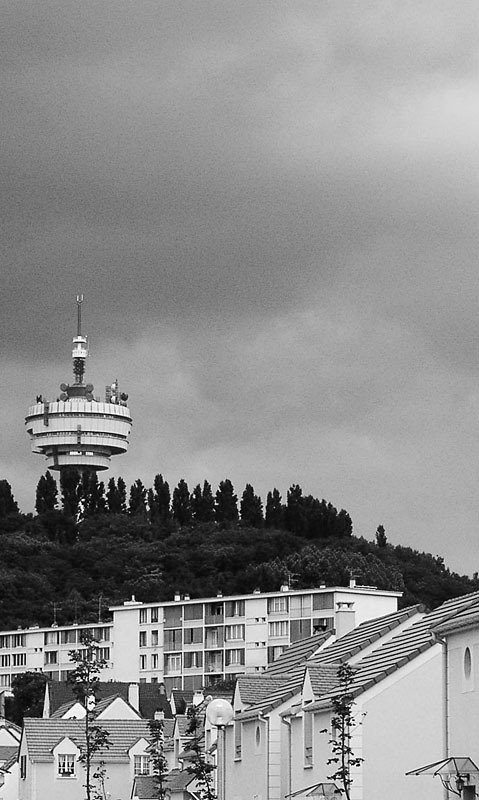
x,y
63,396
63,387
89,396
89,388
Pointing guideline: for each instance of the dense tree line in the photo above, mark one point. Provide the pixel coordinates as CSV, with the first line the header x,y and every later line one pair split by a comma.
x,y
101,545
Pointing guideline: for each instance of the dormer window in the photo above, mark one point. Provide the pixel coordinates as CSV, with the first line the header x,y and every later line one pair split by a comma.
x,y
66,765
142,765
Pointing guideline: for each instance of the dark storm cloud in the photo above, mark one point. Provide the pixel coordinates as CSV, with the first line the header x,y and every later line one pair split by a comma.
x,y
271,211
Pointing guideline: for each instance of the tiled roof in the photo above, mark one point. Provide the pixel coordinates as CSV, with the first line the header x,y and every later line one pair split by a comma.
x,y
183,722
42,735
323,677
402,648
469,616
62,710
254,688
10,726
297,653
145,787
7,751
182,698
152,696
364,635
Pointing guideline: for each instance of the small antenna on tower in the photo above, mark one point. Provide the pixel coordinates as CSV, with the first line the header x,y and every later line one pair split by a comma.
x,y
79,302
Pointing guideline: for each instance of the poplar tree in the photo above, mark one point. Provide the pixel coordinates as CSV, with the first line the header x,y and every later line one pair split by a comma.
x,y
180,505
251,508
226,505
46,494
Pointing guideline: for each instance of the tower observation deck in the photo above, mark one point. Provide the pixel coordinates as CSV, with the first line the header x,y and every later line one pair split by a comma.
x,y
78,430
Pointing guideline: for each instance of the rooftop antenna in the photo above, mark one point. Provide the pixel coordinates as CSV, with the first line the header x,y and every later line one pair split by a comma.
x,y
80,347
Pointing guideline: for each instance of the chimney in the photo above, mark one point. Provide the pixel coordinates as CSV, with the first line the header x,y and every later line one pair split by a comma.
x,y
186,597
344,620
134,695
284,587
177,597
219,593
352,583
198,697
159,715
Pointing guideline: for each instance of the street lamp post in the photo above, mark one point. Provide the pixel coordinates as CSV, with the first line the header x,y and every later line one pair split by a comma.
x,y
220,713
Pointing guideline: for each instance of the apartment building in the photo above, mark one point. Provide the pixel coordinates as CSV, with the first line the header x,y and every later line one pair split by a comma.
x,y
191,643
46,650
194,643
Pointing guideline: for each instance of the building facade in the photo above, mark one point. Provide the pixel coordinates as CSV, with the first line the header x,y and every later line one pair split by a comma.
x,y
191,643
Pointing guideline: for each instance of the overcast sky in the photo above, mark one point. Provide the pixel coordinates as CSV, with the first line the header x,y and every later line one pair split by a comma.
x,y
271,209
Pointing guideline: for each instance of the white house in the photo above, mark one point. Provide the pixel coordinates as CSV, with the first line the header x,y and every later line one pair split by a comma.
x,y
49,758
457,765
276,747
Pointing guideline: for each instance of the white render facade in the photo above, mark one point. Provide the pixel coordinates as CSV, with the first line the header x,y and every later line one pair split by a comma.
x,y
190,643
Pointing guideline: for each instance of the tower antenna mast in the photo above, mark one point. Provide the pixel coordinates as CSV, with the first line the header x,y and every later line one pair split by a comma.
x,y
79,302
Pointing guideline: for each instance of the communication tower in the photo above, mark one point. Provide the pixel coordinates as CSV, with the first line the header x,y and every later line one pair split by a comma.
x,y
77,429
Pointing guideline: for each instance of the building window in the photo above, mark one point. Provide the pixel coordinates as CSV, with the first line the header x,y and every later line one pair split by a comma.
x,y
237,729
154,614
66,765
275,652
143,615
278,628
308,739
142,638
278,605
51,637
193,635
19,659
5,661
154,638
51,657
301,605
233,632
257,737
300,629
103,653
18,640
68,637
193,660
173,639
173,663
142,765
142,662
322,601
23,767
154,661
234,657
467,663
194,611
234,608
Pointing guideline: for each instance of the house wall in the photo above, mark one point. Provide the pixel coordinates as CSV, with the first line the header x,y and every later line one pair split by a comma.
x,y
402,729
44,784
9,790
247,778
463,694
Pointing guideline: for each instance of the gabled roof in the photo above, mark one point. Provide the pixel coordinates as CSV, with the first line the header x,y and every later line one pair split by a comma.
x,y
183,723
182,698
364,635
254,688
7,751
323,677
401,649
62,710
145,786
152,696
11,727
102,705
42,735
297,653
